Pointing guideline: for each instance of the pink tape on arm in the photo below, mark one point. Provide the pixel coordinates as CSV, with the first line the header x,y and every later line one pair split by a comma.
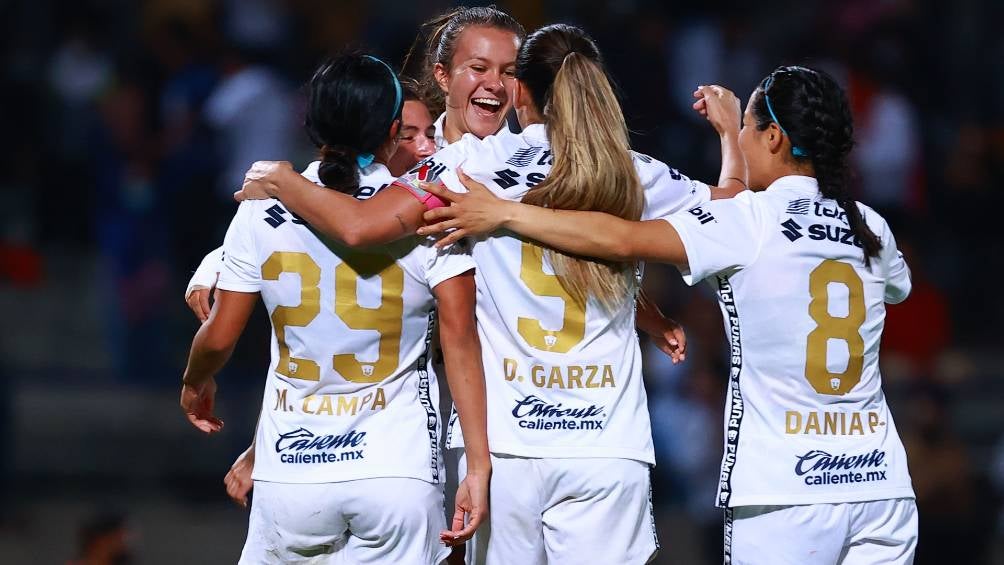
x,y
428,199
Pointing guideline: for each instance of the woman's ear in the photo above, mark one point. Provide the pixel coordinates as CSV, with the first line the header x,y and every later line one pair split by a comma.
x,y
442,76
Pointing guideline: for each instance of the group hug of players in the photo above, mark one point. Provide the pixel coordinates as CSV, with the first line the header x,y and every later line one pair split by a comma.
x,y
527,249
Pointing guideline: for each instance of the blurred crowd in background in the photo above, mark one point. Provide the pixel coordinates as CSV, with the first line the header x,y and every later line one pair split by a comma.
x,y
130,124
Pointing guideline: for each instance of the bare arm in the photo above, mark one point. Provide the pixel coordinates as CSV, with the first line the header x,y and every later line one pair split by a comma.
x,y
216,338
211,348
391,214
665,333
462,356
591,234
721,108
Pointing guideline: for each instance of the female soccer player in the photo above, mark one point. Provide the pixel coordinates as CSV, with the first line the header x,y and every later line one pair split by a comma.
x,y
814,470
347,458
568,426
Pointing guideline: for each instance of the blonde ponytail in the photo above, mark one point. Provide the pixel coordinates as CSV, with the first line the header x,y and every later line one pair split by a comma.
x,y
593,170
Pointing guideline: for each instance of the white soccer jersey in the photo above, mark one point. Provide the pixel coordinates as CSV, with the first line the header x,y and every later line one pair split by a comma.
x,y
348,393
806,420
563,378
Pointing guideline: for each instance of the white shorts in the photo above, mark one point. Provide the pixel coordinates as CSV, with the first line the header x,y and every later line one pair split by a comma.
x,y
851,533
385,520
567,511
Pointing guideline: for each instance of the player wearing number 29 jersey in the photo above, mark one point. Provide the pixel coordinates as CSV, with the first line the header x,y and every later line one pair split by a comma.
x,y
348,394
349,418
813,469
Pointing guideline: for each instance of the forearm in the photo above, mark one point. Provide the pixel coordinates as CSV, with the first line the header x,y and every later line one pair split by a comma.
x,y
590,234
465,376
732,178
649,318
206,358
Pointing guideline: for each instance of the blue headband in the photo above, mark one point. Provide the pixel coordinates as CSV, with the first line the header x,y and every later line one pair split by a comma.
x,y
796,151
365,159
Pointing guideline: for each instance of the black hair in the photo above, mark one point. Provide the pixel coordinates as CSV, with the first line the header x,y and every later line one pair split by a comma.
x,y
440,35
352,103
811,109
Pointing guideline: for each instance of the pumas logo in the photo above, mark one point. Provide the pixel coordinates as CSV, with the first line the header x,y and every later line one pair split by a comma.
x,y
823,468
534,413
303,446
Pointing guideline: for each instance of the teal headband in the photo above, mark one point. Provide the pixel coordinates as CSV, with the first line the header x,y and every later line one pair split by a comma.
x,y
796,151
365,159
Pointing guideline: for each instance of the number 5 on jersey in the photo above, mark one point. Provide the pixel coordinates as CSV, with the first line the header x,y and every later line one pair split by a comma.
x,y
385,319
573,324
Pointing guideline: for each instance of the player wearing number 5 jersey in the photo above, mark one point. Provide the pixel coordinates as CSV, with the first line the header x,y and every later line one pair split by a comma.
x,y
347,461
568,425
813,469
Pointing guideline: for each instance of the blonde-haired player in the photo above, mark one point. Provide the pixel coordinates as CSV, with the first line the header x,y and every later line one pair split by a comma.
x,y
813,470
568,423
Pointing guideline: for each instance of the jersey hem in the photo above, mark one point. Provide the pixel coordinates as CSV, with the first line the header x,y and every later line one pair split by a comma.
x,y
306,480
434,281
823,498
559,452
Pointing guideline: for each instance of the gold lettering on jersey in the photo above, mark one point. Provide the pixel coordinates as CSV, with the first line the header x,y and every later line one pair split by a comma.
x,y
562,376
831,423
344,404
280,401
509,369
573,320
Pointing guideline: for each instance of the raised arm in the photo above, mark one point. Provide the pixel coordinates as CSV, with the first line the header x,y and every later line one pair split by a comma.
x,y
211,348
462,356
720,106
391,214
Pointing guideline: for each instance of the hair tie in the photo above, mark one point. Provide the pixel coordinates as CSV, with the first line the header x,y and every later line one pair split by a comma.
x,y
398,94
796,151
364,160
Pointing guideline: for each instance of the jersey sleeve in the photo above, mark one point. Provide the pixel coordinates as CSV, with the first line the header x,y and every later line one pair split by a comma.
x,y
209,269
897,274
667,190
719,236
447,263
431,170
241,271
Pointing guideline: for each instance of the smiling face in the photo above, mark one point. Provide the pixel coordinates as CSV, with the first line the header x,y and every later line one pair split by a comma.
x,y
416,140
479,82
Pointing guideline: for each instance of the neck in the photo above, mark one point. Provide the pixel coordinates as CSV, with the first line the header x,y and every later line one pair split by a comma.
x,y
451,133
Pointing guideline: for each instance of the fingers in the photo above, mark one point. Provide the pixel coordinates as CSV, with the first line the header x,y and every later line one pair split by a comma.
x,y
438,214
206,424
445,194
471,184
237,488
203,297
459,532
439,227
451,239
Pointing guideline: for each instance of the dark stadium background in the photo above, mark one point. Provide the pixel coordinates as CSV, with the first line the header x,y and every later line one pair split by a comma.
x,y
125,123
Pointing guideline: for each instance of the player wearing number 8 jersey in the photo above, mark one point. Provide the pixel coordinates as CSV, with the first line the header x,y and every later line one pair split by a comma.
x,y
347,460
568,425
813,469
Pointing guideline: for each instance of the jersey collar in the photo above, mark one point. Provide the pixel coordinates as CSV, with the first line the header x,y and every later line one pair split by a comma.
x,y
795,182
536,131
440,140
